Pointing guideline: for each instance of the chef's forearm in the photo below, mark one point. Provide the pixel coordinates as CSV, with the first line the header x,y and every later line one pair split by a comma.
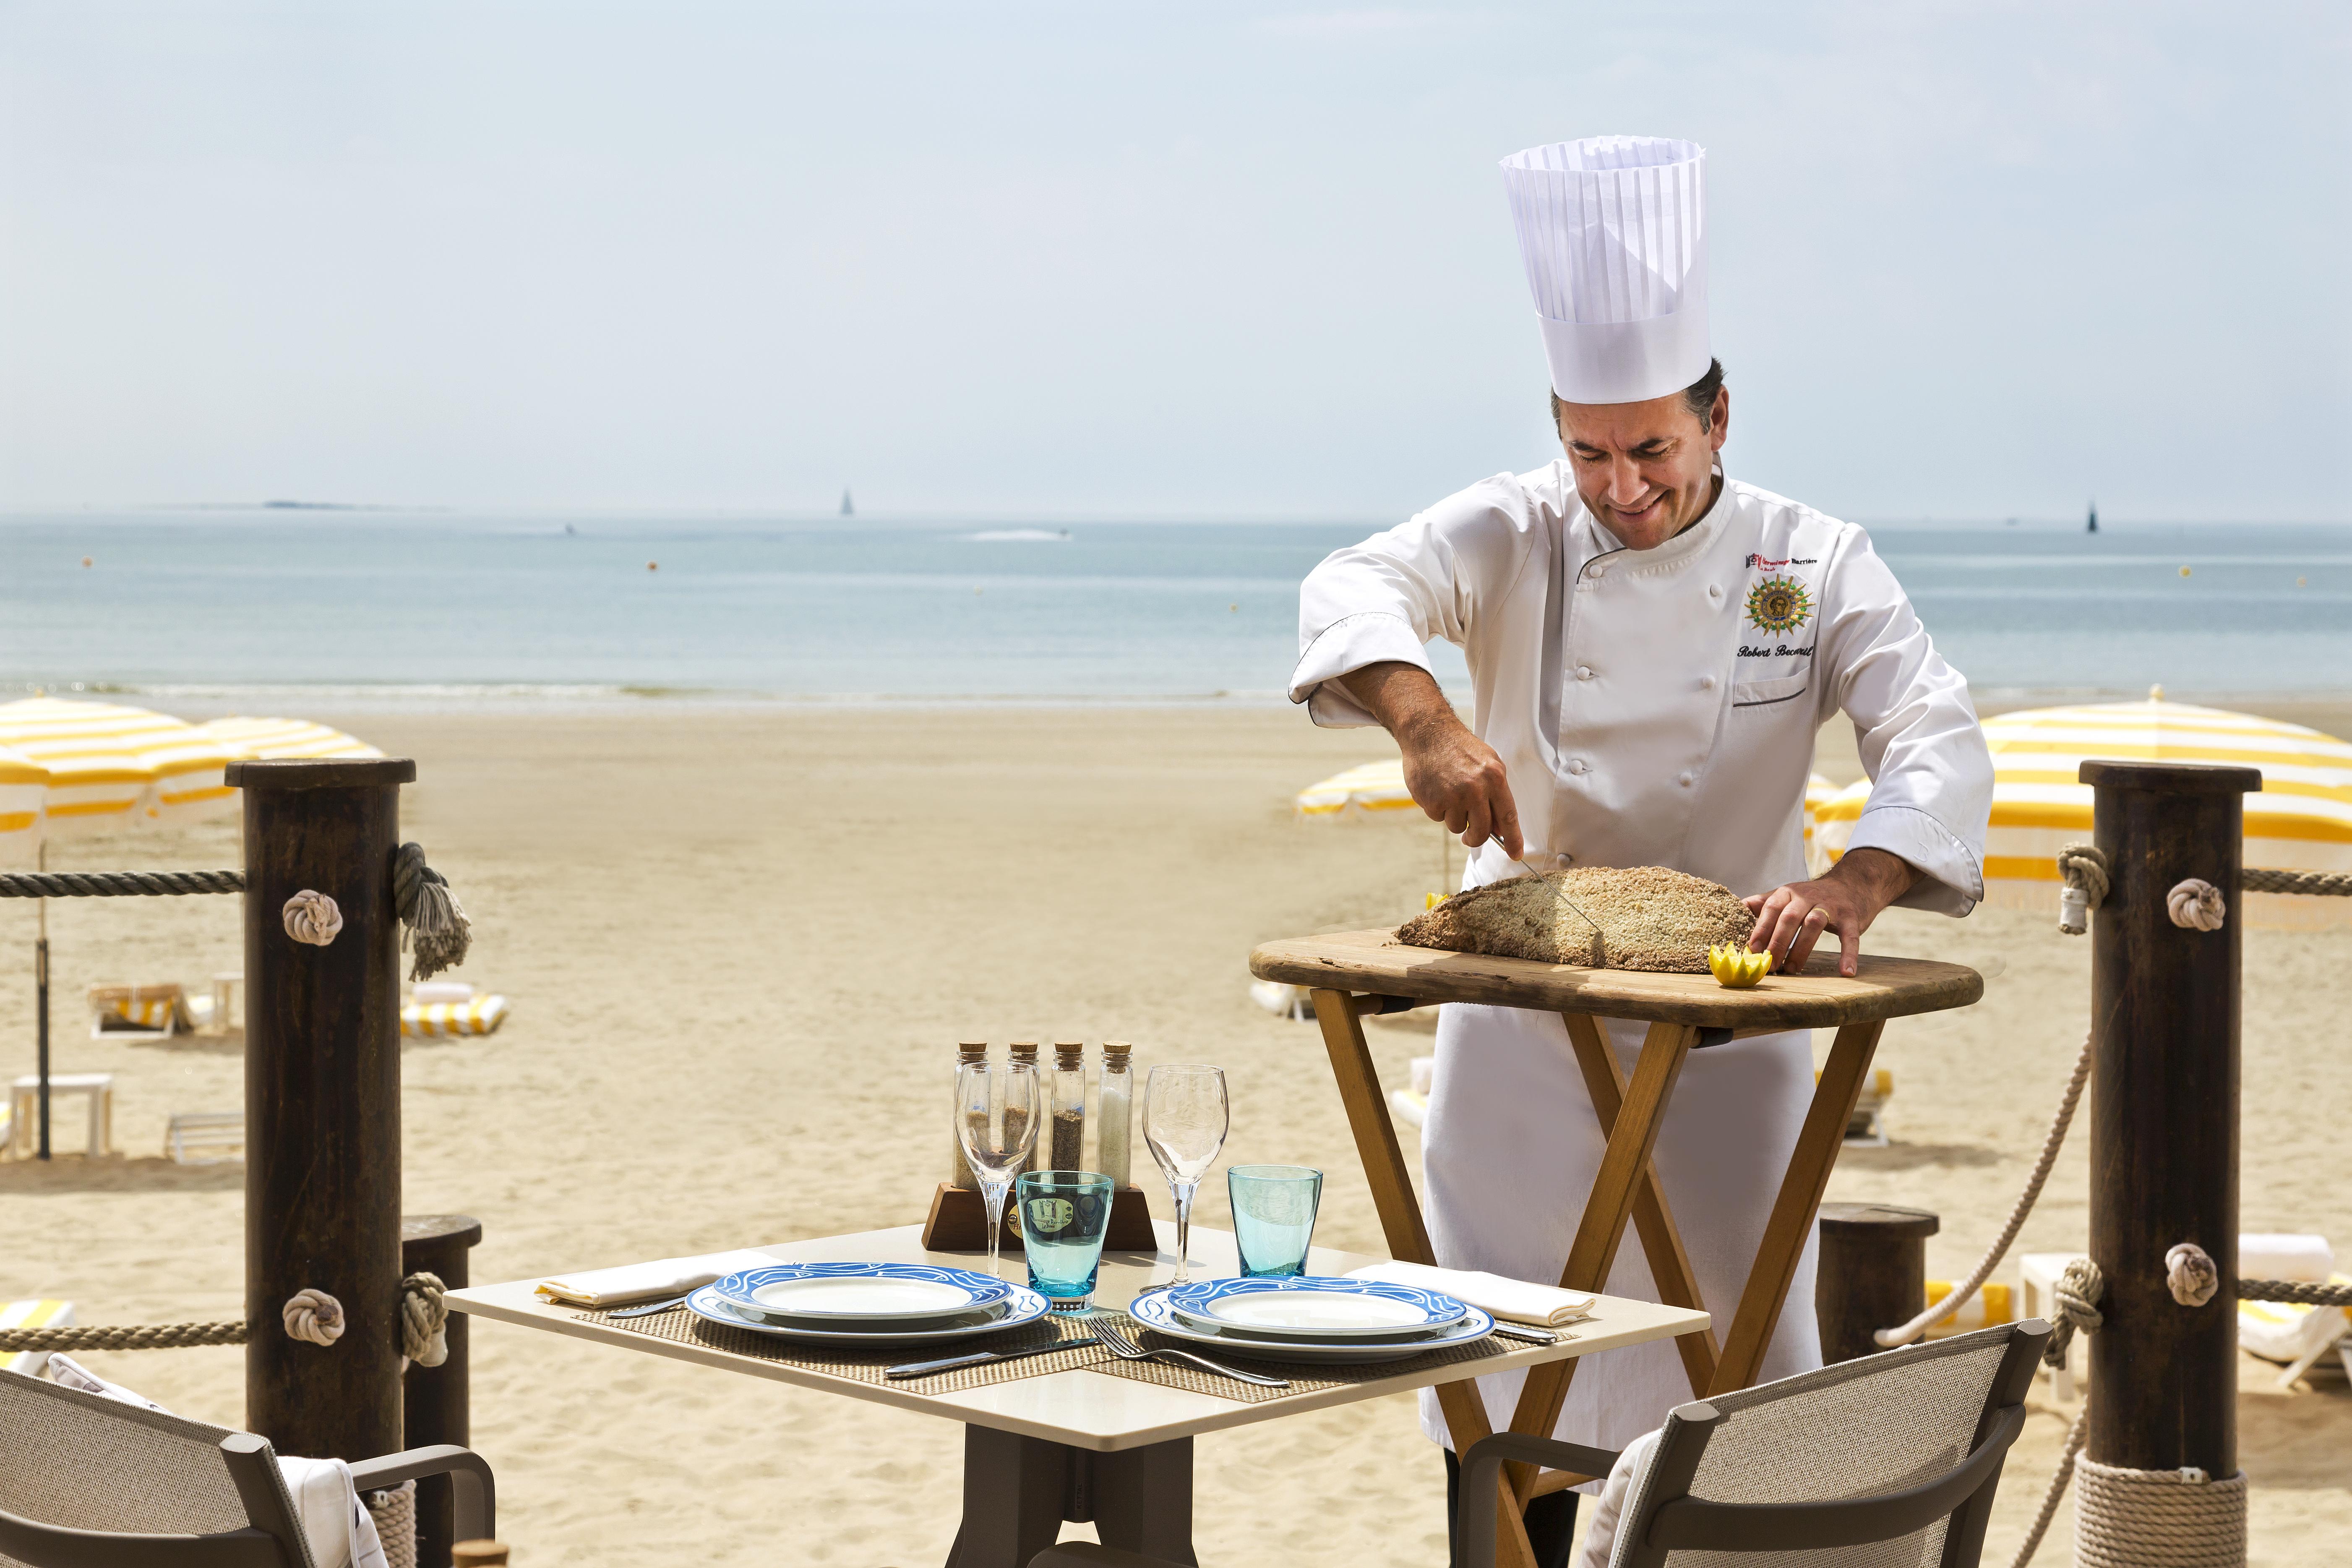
x,y
1404,698
1881,876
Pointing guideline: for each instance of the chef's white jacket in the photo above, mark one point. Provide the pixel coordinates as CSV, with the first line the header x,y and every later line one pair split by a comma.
x,y
1658,707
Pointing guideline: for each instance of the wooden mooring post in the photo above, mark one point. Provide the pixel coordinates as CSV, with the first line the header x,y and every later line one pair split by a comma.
x,y
435,1401
2164,1115
1873,1274
322,1104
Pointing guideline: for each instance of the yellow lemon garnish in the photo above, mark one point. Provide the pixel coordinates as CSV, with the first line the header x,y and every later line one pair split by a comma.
x,y
1735,965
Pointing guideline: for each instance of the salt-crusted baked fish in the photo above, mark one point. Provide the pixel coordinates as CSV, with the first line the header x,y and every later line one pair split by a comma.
x,y
1650,918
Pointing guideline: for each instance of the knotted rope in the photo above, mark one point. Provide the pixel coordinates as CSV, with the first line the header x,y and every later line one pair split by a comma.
x,y
2196,905
424,1319
312,917
2083,868
121,1337
315,1316
2051,1144
438,930
2079,1286
115,884
2190,1275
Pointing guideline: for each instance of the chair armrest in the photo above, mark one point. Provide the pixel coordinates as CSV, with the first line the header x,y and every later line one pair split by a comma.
x,y
1086,1554
474,1493
1482,1476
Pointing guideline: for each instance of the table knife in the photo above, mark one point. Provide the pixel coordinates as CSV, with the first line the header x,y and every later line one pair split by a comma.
x,y
982,1358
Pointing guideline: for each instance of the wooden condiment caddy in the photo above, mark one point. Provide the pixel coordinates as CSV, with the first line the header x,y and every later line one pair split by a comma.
x,y
959,1222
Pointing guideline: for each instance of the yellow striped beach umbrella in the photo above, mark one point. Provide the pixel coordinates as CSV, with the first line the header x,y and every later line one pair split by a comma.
x,y
274,738
2301,820
110,766
1375,789
23,788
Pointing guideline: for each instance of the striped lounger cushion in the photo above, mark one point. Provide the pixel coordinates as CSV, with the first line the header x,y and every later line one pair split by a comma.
x,y
482,1015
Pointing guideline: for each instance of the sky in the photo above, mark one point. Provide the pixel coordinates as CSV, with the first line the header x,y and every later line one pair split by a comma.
x,y
1103,261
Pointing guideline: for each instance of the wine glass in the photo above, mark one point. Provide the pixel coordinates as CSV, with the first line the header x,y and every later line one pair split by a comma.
x,y
1184,1121
997,1106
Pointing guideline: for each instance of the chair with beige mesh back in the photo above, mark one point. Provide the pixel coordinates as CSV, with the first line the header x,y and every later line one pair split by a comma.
x,y
90,1482
1887,1462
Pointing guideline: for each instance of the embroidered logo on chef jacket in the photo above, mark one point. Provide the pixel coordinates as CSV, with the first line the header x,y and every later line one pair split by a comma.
x,y
1778,605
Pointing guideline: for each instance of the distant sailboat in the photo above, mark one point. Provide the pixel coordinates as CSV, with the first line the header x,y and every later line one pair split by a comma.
x,y
846,508
2093,527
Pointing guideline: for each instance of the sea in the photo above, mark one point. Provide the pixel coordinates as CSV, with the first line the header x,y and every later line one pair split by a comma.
x,y
293,610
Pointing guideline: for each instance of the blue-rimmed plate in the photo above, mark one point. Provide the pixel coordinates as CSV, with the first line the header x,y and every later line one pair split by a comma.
x,y
1154,1312
1317,1308
849,1295
1021,1305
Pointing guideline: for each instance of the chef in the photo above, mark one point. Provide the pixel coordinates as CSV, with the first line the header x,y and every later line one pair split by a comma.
x,y
1651,648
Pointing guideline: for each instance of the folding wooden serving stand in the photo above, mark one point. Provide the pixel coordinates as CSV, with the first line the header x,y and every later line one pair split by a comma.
x,y
1355,973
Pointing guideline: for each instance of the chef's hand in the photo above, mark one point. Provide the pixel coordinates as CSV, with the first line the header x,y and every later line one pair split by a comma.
x,y
1790,919
1454,775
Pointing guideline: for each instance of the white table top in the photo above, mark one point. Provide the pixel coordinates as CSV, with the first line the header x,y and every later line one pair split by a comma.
x,y
1083,1409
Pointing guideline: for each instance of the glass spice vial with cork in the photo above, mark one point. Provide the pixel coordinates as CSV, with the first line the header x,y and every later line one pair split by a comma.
x,y
1069,1150
959,1171
1026,1051
1115,1117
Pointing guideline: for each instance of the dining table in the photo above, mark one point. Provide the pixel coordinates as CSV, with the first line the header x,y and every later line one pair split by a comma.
x,y
1075,1435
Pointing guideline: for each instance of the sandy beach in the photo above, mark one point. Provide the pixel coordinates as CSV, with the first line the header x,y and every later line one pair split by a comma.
x,y
741,946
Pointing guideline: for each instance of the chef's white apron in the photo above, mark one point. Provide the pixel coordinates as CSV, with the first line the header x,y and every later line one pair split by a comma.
x,y
1510,1151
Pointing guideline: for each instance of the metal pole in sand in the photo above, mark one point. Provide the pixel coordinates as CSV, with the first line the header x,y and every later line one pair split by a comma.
x,y
322,1104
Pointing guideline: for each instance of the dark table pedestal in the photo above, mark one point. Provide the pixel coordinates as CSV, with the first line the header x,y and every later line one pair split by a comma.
x,y
1018,1492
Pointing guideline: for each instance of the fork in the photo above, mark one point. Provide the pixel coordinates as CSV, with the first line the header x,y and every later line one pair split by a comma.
x,y
1120,1345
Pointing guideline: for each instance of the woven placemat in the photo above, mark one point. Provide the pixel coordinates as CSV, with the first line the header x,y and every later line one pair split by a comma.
x,y
683,1327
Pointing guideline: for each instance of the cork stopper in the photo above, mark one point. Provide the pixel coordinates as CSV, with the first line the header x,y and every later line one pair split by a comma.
x,y
1116,1048
971,1051
1069,1054
1023,1050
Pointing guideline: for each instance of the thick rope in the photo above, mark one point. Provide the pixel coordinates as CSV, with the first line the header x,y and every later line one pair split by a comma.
x,y
424,1319
314,1317
2077,1293
2083,868
438,930
2329,884
2196,905
2159,1518
312,917
2051,1144
2190,1275
2294,1290
121,1337
393,1512
115,884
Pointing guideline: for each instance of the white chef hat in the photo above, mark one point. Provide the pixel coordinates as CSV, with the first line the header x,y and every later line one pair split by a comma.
x,y
1613,231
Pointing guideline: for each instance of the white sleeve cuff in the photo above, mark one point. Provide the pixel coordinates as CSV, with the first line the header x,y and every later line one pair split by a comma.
x,y
1952,878
1369,637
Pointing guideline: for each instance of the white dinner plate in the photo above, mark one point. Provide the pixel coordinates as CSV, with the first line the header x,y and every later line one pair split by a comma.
x,y
861,1295
1154,1314
1319,1309
1024,1306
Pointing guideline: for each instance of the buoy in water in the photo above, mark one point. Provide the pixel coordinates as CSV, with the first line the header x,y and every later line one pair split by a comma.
x,y
653,565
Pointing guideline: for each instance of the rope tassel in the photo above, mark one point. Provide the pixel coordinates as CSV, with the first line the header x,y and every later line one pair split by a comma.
x,y
436,927
424,1319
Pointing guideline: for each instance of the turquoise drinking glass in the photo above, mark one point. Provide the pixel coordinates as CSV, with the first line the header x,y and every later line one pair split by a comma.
x,y
1274,1216
1064,1215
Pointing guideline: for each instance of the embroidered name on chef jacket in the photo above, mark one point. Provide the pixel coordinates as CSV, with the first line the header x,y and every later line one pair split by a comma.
x,y
1778,605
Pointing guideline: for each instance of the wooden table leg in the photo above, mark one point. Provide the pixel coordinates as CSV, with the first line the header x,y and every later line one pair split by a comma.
x,y
1622,1165
1653,1221
1402,1222
1791,1222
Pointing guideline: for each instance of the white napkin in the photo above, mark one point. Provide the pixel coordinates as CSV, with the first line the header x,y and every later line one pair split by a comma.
x,y
1513,1300
645,1281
